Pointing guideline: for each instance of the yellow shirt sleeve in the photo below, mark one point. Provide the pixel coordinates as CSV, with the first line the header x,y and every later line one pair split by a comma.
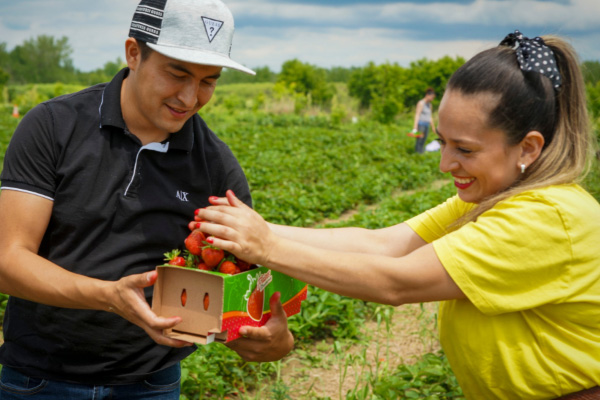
x,y
433,224
516,256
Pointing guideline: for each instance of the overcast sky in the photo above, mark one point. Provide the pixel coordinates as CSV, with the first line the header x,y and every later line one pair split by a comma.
x,y
321,32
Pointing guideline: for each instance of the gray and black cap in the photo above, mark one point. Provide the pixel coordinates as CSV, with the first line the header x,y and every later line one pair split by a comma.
x,y
195,31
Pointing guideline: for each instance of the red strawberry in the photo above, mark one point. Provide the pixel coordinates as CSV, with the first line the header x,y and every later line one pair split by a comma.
x,y
203,266
183,297
212,256
228,267
194,242
206,301
242,265
173,258
178,261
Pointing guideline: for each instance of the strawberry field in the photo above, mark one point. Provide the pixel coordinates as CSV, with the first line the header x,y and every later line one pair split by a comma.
x,y
310,168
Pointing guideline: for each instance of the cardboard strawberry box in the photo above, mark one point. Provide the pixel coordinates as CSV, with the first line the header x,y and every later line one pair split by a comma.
x,y
213,306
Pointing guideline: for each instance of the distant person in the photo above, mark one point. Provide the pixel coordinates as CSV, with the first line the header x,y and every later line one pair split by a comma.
x,y
423,121
514,257
96,187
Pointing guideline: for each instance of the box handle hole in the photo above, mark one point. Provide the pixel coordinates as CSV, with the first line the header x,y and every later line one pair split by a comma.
x,y
183,297
206,301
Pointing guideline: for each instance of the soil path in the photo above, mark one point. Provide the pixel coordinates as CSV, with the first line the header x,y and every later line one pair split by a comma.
x,y
318,372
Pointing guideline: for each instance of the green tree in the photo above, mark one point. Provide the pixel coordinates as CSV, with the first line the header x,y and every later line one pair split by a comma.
x,y
4,76
363,84
339,74
425,73
4,56
307,79
263,74
42,60
591,71
381,88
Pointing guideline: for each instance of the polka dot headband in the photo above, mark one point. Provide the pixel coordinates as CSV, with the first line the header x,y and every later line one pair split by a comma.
x,y
534,55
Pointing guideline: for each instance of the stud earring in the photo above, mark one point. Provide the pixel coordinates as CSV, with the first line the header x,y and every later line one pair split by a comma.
x,y
523,168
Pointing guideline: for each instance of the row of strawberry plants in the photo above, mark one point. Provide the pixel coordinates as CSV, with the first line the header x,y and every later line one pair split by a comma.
x,y
302,169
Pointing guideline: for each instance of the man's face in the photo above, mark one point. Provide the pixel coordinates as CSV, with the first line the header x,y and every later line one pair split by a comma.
x,y
167,92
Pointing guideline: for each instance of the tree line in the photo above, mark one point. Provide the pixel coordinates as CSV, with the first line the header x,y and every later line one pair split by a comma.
x,y
386,89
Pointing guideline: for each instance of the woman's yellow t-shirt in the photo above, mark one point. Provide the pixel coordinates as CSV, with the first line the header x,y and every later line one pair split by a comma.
x,y
530,268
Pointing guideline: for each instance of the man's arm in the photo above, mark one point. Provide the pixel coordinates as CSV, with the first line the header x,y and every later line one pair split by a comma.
x,y
24,219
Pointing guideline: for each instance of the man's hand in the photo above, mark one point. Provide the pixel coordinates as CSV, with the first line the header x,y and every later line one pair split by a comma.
x,y
129,302
270,342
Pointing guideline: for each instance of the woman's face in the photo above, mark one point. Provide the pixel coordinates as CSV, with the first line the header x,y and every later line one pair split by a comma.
x,y
477,155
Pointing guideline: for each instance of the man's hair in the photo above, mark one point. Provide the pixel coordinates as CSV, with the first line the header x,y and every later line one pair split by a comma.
x,y
145,50
429,91
527,101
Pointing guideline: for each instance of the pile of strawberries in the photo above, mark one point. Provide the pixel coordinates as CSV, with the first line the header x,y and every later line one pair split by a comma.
x,y
200,254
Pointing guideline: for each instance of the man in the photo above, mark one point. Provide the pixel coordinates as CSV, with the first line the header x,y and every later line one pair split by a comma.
x,y
96,186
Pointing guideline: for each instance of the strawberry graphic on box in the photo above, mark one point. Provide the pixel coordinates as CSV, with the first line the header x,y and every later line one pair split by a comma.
x,y
216,305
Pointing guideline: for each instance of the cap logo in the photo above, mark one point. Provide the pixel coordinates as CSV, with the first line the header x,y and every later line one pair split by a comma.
x,y
212,27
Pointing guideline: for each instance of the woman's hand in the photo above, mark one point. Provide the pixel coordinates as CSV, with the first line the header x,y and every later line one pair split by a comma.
x,y
233,226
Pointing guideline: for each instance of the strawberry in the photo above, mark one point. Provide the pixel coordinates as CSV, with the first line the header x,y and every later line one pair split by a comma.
x,y
173,258
201,265
242,265
206,301
228,267
194,242
212,256
183,297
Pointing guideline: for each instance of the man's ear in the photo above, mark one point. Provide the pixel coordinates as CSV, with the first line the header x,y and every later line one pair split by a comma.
x,y
133,53
531,148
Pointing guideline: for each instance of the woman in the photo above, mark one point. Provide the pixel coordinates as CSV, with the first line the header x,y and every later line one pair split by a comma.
x,y
423,120
513,258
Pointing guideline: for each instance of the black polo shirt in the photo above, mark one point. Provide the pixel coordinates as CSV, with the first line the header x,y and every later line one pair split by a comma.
x,y
118,207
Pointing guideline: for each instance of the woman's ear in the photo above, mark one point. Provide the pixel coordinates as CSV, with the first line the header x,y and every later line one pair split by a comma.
x,y
133,54
531,148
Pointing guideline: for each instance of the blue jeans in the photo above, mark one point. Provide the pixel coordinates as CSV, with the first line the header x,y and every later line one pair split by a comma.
x,y
163,385
423,128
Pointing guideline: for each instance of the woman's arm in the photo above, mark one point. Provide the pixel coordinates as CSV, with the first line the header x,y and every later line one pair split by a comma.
x,y
417,114
393,241
416,277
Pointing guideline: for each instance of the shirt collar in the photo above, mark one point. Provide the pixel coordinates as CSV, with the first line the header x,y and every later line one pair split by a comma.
x,y
111,115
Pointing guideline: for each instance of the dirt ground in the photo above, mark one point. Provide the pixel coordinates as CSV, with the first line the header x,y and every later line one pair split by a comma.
x,y
319,372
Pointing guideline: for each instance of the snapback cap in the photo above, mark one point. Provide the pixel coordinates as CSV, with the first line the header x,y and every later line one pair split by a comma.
x,y
195,31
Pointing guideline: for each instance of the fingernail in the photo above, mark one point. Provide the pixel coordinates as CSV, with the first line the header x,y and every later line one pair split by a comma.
x,y
210,239
213,198
197,211
198,225
243,331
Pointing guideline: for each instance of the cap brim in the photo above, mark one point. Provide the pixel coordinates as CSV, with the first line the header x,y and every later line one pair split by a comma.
x,y
195,56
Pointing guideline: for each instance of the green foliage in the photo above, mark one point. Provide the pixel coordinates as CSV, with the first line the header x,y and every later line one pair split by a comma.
x,y
325,314
41,60
593,98
263,74
214,371
591,71
425,73
389,89
308,80
430,378
28,96
4,76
